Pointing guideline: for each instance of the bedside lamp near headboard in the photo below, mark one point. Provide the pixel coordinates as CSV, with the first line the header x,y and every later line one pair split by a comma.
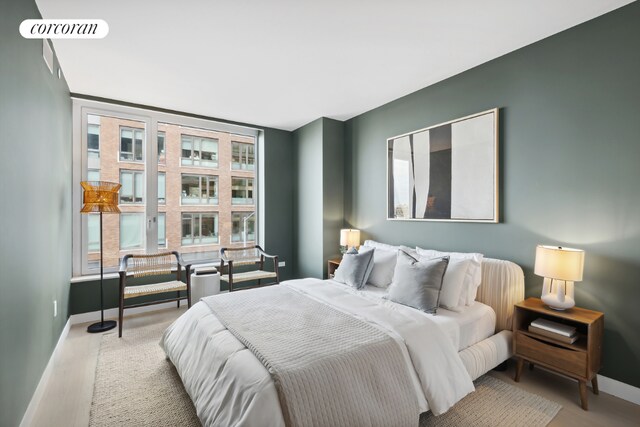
x,y
560,267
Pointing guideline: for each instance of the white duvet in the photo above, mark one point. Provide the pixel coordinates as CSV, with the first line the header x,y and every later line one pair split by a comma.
x,y
229,386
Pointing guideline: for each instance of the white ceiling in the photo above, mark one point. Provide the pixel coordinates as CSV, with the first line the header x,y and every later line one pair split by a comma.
x,y
284,63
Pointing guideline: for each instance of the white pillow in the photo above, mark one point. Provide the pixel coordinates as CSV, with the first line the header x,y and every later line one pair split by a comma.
x,y
474,271
384,264
378,245
454,284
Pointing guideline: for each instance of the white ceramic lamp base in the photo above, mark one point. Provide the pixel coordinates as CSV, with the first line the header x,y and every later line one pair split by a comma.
x,y
558,294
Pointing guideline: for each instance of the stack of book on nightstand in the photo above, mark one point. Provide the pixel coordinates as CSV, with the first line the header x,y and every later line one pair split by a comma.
x,y
557,331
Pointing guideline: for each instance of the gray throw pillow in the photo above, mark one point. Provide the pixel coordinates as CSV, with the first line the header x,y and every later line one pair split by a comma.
x,y
417,283
355,268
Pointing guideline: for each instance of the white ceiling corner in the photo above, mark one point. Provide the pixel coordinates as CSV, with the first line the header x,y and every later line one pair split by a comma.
x,y
284,63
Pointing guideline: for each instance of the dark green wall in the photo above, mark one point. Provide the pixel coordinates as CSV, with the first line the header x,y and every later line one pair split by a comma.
x,y
279,169
570,166
332,189
319,201
308,200
35,211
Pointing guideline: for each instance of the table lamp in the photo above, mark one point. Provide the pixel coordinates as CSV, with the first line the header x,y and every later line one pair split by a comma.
x,y
102,197
349,238
560,267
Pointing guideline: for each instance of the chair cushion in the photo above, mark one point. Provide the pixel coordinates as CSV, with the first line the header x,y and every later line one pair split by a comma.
x,y
154,288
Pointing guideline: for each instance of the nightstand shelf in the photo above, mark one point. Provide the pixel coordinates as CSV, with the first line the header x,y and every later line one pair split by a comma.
x,y
580,360
332,265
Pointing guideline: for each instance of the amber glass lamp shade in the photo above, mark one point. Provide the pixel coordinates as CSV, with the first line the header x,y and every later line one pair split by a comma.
x,y
100,196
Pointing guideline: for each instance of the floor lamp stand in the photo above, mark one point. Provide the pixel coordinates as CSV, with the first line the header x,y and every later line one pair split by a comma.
x,y
102,325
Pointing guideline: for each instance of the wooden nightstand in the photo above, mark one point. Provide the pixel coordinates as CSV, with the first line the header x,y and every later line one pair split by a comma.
x,y
332,264
580,360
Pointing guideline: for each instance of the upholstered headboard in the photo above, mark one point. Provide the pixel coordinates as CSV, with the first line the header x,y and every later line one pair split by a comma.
x,y
502,286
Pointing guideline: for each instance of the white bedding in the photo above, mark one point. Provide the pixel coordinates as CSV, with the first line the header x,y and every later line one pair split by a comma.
x,y
229,386
475,323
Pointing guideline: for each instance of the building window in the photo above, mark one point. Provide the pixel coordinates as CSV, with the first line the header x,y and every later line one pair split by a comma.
x,y
93,175
241,191
162,230
132,190
197,151
162,156
131,144
93,232
93,141
242,156
243,227
162,191
131,230
199,228
199,190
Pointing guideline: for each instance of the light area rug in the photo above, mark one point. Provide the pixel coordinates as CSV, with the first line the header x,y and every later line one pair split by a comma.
x,y
136,385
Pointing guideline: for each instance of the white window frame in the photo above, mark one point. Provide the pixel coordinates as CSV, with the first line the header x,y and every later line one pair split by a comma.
x,y
151,118
133,144
246,190
193,149
197,216
208,179
255,226
134,189
244,156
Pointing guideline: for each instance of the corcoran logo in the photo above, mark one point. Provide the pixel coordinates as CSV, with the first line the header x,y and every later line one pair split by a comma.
x,y
64,29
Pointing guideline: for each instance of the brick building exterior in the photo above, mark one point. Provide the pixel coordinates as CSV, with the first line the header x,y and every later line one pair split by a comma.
x,y
209,182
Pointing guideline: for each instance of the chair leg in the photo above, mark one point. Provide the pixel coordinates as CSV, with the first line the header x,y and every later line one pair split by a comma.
x,y
178,296
120,318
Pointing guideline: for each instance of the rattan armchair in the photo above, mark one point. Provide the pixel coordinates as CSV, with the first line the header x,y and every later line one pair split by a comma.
x,y
231,258
152,265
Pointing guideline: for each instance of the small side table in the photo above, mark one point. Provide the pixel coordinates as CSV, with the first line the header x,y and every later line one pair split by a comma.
x,y
332,265
580,360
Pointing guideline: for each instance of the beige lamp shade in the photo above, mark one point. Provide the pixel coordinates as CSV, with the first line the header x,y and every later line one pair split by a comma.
x,y
349,237
559,263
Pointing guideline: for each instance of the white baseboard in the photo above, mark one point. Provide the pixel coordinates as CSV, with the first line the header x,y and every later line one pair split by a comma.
x,y
27,418
112,313
619,389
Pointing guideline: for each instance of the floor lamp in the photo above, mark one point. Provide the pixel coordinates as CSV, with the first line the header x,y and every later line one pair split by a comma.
x,y
102,197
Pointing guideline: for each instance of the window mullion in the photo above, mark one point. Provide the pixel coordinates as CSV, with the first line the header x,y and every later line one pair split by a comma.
x,y
150,156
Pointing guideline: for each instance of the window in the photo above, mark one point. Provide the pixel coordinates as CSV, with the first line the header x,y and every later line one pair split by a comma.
x,y
162,157
131,144
94,232
162,230
243,226
197,151
132,190
93,175
162,191
199,190
242,191
242,156
188,212
199,228
131,230
93,140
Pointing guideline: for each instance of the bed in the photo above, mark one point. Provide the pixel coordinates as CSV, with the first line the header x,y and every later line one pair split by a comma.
x,y
229,385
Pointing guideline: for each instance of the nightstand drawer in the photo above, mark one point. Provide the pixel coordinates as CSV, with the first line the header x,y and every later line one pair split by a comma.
x,y
567,360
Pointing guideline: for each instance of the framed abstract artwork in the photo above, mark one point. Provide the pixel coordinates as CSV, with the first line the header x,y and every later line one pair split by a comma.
x,y
446,172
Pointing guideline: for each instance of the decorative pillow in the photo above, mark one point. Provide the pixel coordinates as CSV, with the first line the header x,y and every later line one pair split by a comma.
x,y
355,268
384,262
417,283
453,284
474,271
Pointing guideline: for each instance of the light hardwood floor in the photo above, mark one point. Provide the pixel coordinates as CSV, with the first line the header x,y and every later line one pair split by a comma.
x,y
67,397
